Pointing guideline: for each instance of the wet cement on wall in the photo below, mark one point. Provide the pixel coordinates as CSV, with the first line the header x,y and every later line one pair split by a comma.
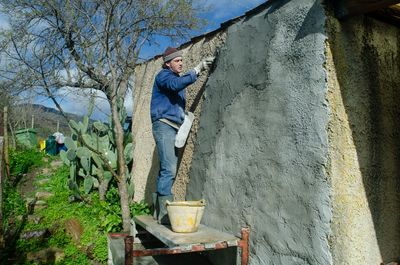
x,y
363,63
145,158
261,148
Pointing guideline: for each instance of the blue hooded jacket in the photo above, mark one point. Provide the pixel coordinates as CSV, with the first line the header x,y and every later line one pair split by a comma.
x,y
168,99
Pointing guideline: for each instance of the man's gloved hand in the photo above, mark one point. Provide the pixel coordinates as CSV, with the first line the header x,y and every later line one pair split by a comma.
x,y
204,64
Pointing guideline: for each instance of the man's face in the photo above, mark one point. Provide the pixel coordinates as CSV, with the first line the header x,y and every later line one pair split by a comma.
x,y
176,65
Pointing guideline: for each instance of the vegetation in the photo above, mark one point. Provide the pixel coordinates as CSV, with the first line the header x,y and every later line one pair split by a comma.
x,y
13,204
24,160
96,217
92,156
88,45
90,214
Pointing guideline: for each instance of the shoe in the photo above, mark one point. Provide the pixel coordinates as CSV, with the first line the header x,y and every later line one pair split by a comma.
x,y
155,205
163,214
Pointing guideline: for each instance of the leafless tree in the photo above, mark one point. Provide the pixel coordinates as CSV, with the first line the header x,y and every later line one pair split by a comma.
x,y
92,44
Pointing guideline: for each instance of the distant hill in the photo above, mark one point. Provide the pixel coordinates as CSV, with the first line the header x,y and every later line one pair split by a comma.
x,y
46,119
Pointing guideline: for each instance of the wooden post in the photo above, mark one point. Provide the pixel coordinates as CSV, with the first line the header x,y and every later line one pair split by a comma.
x,y
6,144
1,193
12,136
244,245
33,121
128,250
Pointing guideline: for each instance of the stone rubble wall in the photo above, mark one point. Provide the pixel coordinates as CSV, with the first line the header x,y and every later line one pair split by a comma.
x,y
363,64
146,165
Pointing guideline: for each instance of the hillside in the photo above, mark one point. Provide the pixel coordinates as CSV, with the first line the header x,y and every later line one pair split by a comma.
x,y
45,119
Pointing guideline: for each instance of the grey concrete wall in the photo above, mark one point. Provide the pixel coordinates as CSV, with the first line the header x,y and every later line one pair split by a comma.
x,y
363,63
261,149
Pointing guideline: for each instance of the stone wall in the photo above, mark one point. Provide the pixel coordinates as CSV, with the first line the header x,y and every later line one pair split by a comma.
x,y
146,165
364,137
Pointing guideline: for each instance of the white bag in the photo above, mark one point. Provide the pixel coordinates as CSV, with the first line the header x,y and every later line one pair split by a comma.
x,y
184,130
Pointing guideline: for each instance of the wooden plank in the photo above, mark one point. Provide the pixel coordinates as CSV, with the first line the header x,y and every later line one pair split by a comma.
x,y
205,235
347,8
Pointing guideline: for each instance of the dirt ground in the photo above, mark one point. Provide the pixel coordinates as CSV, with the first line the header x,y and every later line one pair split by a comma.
x,y
27,185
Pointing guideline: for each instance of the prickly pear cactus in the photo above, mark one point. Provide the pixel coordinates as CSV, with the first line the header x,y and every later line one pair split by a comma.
x,y
91,152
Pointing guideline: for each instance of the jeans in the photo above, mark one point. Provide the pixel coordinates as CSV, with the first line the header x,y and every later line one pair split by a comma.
x,y
164,135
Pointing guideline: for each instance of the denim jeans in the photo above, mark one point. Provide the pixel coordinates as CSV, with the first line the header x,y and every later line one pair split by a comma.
x,y
164,135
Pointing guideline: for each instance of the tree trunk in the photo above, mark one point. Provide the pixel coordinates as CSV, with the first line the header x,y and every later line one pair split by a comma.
x,y
6,144
122,180
103,189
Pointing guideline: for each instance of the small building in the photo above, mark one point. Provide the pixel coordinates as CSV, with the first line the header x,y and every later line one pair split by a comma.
x,y
296,133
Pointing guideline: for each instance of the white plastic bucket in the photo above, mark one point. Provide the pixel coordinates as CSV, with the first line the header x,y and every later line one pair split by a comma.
x,y
185,216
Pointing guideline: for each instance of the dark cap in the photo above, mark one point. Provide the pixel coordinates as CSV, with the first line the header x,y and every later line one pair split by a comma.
x,y
171,53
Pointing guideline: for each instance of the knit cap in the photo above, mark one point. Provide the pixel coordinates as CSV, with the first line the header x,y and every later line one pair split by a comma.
x,y
171,53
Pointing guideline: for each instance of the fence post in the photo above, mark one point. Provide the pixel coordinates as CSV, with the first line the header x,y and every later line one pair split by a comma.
x,y
1,193
6,144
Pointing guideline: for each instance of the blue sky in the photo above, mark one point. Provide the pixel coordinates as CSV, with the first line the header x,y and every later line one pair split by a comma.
x,y
218,12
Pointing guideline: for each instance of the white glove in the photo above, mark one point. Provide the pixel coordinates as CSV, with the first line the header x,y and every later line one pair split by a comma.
x,y
204,64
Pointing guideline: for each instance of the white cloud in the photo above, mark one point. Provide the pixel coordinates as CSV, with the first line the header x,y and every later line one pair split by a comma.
x,y
76,101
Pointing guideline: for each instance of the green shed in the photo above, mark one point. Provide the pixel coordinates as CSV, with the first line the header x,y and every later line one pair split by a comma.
x,y
26,137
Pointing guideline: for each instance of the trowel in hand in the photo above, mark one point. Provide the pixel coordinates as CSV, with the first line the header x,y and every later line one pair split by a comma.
x,y
184,130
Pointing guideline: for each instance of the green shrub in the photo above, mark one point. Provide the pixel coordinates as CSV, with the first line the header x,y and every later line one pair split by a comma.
x,y
22,160
97,218
139,208
13,205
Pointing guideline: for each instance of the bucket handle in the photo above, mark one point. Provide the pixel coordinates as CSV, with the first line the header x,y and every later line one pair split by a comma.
x,y
202,202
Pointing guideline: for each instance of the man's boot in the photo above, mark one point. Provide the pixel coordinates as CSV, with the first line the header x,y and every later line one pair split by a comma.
x,y
163,214
156,209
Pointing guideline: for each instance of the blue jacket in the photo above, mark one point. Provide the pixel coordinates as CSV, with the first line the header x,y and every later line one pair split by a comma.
x,y
168,99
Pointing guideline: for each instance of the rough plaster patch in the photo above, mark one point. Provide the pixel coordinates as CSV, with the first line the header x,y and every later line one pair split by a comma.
x,y
262,143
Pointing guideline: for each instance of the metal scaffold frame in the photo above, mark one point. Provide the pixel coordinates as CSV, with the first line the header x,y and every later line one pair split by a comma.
x,y
190,246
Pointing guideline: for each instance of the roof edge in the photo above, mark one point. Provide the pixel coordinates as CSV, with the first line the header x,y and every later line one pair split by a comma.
x,y
258,9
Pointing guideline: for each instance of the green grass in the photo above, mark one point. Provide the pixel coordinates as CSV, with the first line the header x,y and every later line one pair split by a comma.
x,y
96,217
21,161
60,210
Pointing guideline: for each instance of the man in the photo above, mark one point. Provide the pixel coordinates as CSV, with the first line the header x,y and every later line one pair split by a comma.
x,y
167,110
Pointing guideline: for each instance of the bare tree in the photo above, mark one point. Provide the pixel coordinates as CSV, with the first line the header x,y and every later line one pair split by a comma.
x,y
85,44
